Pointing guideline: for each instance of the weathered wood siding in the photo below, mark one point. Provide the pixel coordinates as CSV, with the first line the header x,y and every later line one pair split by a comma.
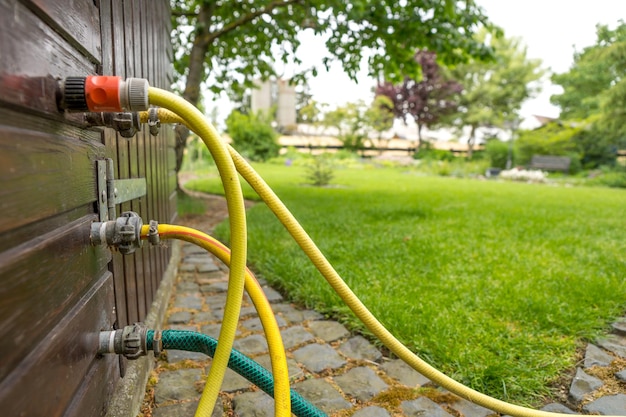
x,y
56,290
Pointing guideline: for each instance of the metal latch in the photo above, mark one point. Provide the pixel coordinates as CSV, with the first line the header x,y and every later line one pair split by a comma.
x,y
112,191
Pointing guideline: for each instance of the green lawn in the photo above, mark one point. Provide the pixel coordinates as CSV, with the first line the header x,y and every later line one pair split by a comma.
x,y
495,283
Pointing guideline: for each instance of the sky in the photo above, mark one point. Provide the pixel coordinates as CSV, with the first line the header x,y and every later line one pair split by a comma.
x,y
550,29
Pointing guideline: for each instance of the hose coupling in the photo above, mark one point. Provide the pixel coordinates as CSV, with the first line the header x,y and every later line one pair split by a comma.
x,y
154,124
126,123
123,233
129,341
103,93
153,233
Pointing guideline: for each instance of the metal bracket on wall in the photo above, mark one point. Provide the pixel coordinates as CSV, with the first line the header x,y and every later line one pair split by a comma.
x,y
112,191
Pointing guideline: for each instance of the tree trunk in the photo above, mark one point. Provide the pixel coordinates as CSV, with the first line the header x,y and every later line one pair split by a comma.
x,y
419,136
199,49
470,142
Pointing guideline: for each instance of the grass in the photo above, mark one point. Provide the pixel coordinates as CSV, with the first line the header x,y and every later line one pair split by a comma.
x,y
186,204
495,283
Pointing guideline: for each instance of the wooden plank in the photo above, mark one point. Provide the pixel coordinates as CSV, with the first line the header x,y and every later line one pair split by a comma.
x,y
113,143
106,36
55,367
146,270
117,25
43,175
32,55
76,21
116,265
96,389
138,258
39,281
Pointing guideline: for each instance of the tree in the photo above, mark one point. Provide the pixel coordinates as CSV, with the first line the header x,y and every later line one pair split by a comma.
x,y
596,86
350,122
229,44
493,91
379,117
426,100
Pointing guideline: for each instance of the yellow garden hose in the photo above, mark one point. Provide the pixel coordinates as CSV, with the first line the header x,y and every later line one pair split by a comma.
x,y
282,400
163,115
236,209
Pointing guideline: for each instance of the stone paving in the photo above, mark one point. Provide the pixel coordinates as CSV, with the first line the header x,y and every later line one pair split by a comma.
x,y
340,373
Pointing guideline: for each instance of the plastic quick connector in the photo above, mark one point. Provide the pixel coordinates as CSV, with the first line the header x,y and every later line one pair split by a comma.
x,y
104,93
123,233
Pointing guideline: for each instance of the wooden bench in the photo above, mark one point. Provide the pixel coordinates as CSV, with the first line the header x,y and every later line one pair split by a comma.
x,y
550,163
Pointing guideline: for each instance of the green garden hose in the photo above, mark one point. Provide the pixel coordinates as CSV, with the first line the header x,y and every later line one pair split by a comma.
x,y
238,362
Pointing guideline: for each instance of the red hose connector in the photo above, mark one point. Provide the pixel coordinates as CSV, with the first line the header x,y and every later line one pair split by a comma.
x,y
102,93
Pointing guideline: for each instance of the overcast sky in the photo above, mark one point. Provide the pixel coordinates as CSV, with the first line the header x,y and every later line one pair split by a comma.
x,y
549,28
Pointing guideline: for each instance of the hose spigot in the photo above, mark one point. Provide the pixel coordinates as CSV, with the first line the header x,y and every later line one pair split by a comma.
x,y
126,123
129,341
123,233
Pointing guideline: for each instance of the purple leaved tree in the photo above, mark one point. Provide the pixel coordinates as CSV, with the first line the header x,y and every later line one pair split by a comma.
x,y
426,100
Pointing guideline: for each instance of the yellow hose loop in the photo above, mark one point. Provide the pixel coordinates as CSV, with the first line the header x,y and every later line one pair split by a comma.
x,y
282,394
164,116
359,309
236,209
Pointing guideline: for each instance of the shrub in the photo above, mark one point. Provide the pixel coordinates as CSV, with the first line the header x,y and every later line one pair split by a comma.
x,y
428,152
253,135
320,171
551,139
498,153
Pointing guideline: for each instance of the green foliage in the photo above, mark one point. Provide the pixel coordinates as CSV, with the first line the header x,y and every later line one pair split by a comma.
x,y
551,139
197,155
587,146
500,300
320,171
351,125
493,91
614,177
428,152
498,153
309,113
238,41
596,86
253,135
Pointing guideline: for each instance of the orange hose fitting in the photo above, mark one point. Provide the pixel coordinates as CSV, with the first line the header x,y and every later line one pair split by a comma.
x,y
102,93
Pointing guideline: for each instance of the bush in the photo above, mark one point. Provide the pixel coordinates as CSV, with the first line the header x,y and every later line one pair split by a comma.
x,y
498,153
551,139
427,152
253,135
197,155
320,171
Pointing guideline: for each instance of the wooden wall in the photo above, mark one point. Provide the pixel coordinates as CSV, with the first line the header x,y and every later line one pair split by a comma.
x,y
56,290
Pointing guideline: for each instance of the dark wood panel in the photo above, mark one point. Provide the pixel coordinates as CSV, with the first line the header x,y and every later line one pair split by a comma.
x,y
54,369
77,21
31,55
134,158
44,175
117,25
40,280
116,266
106,36
96,389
